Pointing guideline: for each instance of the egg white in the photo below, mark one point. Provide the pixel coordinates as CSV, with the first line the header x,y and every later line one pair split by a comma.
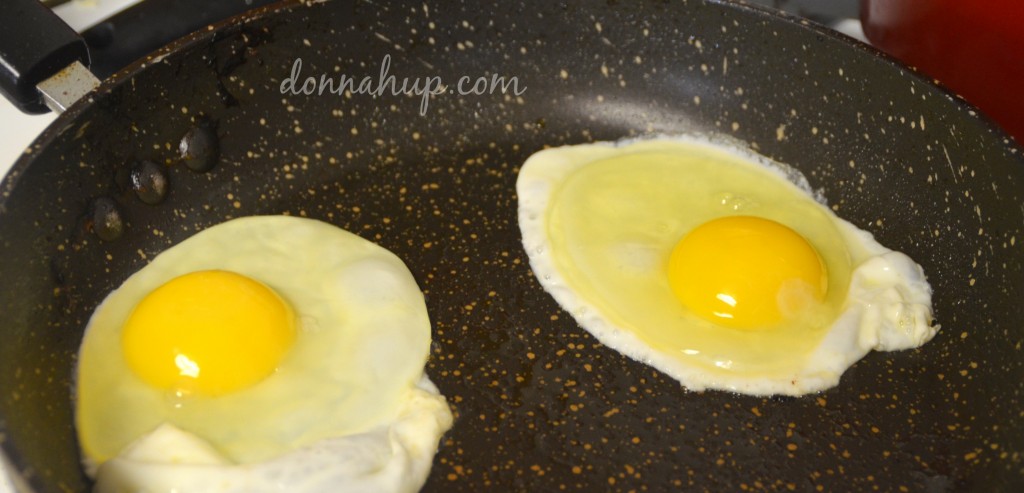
x,y
356,367
599,221
394,457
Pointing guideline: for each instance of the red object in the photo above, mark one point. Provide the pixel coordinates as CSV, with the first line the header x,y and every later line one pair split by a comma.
x,y
976,48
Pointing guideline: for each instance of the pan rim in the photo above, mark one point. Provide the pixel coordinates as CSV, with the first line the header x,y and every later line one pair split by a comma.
x,y
67,121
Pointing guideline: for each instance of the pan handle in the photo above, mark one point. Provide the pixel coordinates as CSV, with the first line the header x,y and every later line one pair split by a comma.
x,y
36,45
148,25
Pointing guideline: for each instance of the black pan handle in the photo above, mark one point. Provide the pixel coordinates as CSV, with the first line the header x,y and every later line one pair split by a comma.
x,y
148,25
35,44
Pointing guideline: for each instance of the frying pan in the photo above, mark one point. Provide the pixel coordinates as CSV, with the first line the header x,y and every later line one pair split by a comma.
x,y
540,405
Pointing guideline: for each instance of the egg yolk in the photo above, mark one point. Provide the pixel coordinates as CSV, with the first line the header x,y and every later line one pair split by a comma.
x,y
746,272
208,332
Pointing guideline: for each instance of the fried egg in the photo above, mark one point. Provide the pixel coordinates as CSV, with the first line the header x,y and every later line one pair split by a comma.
x,y
714,265
267,353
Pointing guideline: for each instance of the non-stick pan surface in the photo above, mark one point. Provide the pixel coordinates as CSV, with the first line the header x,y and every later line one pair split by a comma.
x,y
540,404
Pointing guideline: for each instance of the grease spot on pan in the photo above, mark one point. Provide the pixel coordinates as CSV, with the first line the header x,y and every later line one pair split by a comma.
x,y
150,182
105,219
199,148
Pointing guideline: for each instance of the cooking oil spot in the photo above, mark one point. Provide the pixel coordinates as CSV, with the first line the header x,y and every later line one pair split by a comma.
x,y
106,219
149,181
200,147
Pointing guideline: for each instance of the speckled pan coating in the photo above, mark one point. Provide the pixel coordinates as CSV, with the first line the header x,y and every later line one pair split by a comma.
x,y
540,405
